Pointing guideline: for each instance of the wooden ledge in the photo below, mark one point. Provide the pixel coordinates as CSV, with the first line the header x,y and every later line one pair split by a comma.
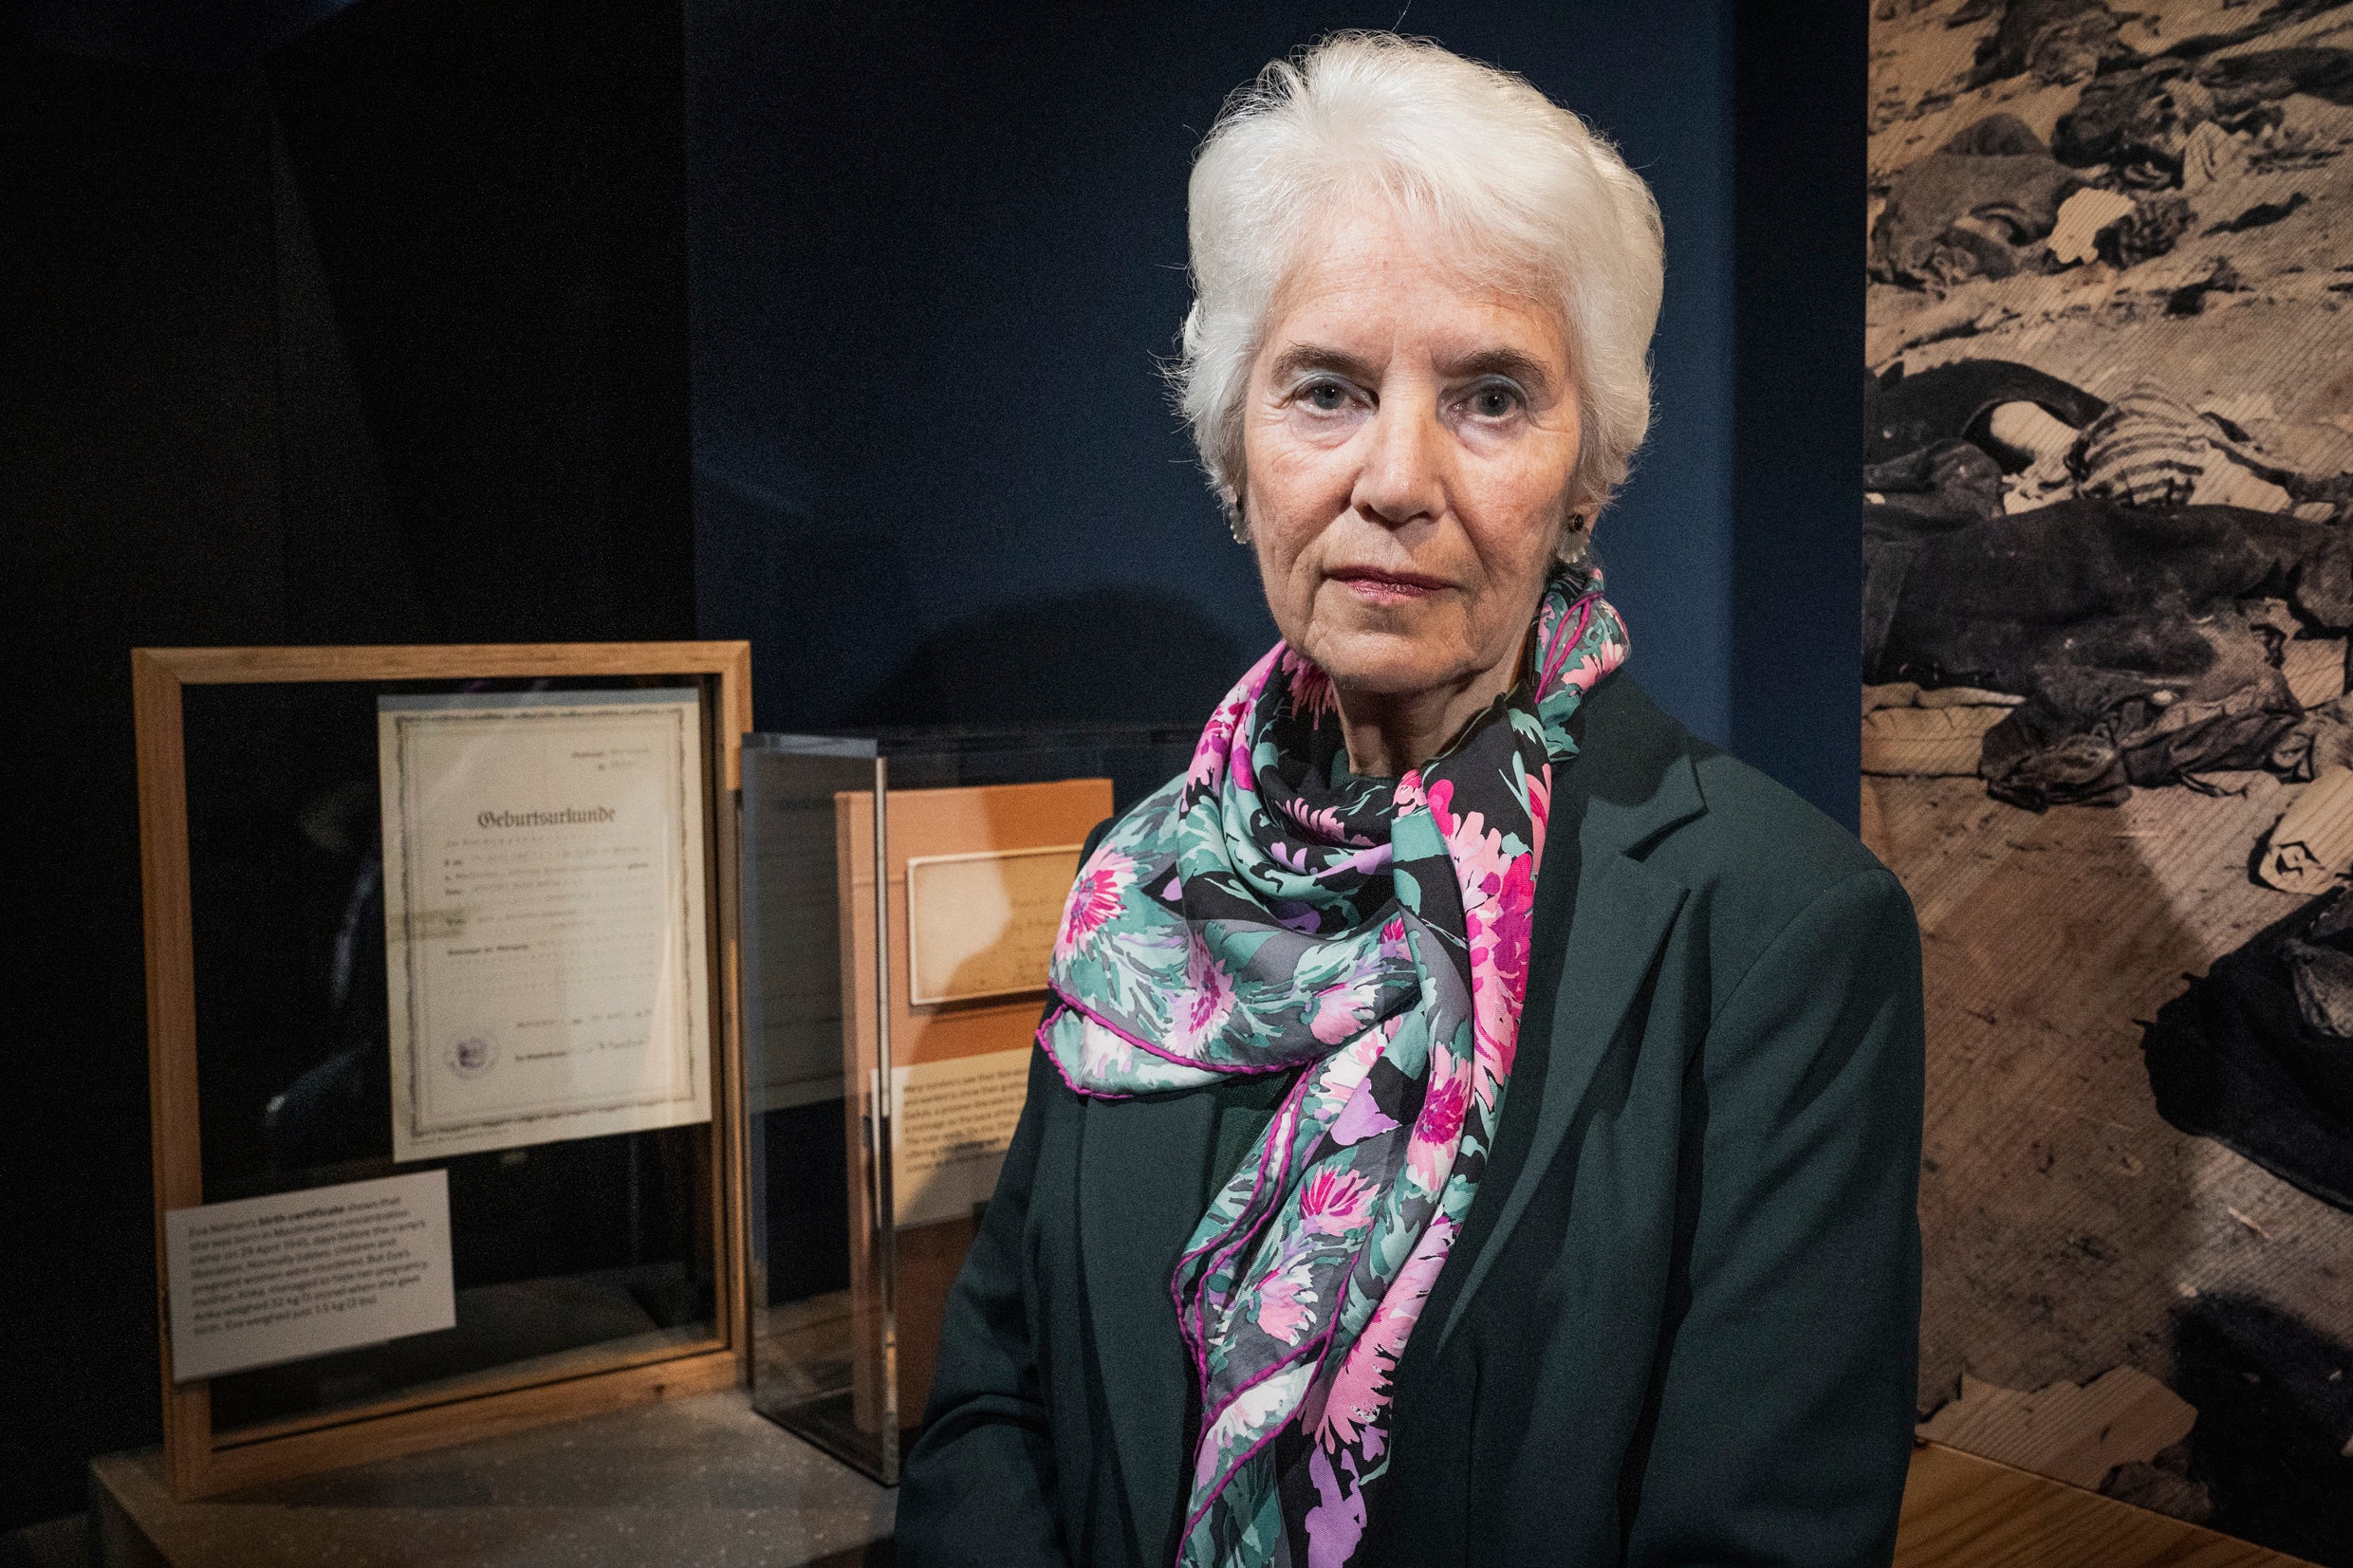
x,y
1961,1511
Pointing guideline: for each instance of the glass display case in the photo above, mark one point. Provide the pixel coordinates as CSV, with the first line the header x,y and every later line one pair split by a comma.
x,y
901,892
444,1054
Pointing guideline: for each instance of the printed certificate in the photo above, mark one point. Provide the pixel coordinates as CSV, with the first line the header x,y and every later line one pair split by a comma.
x,y
544,916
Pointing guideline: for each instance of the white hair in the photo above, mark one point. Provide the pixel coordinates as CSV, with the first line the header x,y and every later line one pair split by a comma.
x,y
1518,191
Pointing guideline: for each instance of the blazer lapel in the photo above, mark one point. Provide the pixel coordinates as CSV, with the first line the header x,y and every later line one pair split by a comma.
x,y
1621,911
1142,1164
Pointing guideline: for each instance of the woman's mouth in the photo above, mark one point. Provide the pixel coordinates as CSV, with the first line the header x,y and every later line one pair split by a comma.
x,y
1376,587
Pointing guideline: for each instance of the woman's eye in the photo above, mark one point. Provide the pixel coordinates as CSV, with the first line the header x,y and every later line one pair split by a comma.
x,y
1494,402
1326,397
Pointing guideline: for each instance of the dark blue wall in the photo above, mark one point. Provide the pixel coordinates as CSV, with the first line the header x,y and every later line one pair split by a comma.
x,y
1798,133
936,251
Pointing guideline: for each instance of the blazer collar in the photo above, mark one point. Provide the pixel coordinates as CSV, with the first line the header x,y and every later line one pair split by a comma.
x,y
1631,782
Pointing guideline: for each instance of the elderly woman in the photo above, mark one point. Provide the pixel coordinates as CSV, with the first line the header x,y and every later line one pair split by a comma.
x,y
1475,1122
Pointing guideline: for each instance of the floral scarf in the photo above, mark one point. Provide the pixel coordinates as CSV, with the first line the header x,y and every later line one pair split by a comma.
x,y
1268,911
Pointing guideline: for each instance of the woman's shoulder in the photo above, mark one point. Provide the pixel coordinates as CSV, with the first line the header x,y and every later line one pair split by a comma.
x,y
1753,852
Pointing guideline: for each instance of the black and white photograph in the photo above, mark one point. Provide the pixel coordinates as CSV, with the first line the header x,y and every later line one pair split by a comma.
x,y
2107,740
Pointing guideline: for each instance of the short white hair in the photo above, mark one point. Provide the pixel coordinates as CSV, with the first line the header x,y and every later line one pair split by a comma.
x,y
1520,192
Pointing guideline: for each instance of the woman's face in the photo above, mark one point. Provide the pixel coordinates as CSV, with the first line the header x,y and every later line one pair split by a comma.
x,y
1408,447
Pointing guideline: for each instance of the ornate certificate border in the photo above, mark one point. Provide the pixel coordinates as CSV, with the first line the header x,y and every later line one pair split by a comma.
x,y
427,1122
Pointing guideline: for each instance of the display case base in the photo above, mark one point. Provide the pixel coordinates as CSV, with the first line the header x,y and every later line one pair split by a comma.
x,y
686,1481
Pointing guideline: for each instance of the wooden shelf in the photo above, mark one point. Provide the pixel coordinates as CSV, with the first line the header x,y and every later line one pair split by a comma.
x,y
1961,1511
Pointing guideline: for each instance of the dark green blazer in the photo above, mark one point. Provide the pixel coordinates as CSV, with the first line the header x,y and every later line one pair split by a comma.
x,y
1680,1325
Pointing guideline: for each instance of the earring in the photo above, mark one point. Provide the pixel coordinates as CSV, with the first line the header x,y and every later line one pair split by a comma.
x,y
1576,541
1236,524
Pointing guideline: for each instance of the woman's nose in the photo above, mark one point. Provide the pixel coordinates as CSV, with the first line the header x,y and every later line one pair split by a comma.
x,y
1400,480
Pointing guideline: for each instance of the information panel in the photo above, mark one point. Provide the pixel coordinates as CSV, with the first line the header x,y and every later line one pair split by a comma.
x,y
261,1280
952,1124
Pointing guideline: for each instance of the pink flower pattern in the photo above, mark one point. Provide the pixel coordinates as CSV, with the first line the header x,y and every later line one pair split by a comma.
x,y
1214,751
1334,1201
1095,898
1208,1000
1322,826
1442,1112
1338,1012
1359,1391
1312,697
1287,1305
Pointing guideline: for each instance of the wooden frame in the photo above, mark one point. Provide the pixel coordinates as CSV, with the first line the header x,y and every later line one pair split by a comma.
x,y
197,1461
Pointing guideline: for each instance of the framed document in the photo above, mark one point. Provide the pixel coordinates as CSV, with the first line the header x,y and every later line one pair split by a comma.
x,y
445,1065
544,885
981,924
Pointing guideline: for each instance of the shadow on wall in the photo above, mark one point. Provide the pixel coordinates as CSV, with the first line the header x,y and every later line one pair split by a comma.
x,y
1116,655
821,605
826,604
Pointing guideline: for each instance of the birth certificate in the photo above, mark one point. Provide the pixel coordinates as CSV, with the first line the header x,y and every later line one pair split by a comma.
x,y
544,916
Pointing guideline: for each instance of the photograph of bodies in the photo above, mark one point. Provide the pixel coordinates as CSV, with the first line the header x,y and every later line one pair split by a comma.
x,y
2106,736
